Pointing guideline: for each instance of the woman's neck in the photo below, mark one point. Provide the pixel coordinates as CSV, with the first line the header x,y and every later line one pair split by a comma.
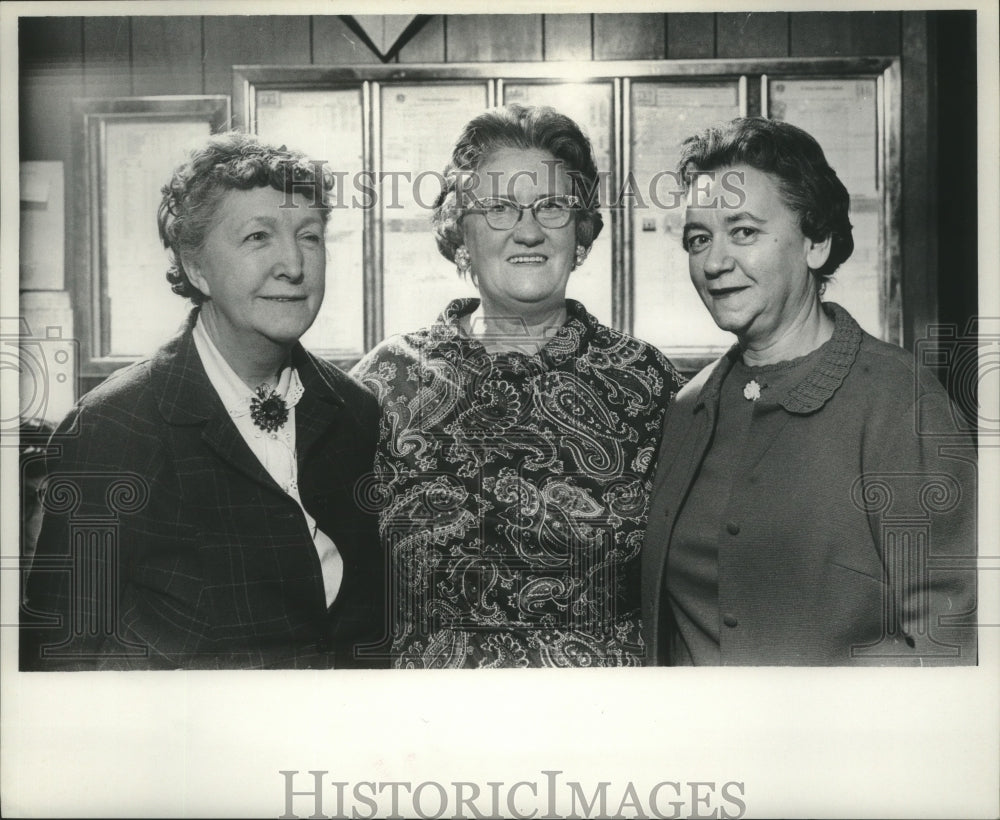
x,y
500,330
256,360
809,329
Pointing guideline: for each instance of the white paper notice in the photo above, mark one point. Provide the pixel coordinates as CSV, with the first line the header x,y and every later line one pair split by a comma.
x,y
139,158
419,125
668,312
841,115
326,125
590,106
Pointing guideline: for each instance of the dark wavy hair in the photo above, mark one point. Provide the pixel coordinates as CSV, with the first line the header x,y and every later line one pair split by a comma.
x,y
526,127
809,185
231,161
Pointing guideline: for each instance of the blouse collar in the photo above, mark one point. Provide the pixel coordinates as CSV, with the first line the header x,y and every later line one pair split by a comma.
x,y
235,395
818,385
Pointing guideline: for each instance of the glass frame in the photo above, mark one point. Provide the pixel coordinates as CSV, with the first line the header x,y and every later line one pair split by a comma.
x,y
92,244
751,74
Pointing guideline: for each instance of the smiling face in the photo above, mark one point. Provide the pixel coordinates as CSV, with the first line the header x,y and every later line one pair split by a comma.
x,y
522,270
749,260
263,268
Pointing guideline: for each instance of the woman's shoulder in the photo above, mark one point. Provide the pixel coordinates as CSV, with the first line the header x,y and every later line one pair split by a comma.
x,y
127,388
107,423
642,351
692,389
400,348
142,384
894,370
343,383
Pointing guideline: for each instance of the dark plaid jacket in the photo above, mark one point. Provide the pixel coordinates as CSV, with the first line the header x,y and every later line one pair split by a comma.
x,y
166,544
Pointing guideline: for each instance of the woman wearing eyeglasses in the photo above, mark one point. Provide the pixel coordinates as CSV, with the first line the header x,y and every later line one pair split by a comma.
x,y
518,433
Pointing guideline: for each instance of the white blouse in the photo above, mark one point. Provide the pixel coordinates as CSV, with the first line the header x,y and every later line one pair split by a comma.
x,y
275,450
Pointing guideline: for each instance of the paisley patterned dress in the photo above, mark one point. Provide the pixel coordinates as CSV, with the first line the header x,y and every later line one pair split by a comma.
x,y
512,492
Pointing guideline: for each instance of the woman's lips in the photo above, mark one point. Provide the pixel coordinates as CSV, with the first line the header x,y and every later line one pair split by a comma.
x,y
721,293
528,259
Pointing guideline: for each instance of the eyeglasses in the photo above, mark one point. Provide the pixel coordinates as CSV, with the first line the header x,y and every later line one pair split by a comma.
x,y
549,211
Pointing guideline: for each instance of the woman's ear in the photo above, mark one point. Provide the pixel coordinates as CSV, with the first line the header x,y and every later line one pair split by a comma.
x,y
818,252
194,274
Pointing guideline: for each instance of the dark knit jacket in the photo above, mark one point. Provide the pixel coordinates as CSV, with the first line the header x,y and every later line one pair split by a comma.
x,y
849,536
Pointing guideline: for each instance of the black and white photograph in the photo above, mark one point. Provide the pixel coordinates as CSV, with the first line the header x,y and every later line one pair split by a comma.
x,y
423,412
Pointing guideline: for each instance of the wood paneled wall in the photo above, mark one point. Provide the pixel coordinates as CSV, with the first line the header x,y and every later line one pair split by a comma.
x,y
63,58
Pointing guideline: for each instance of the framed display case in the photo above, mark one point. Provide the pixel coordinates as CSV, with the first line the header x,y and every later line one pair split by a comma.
x,y
387,132
126,149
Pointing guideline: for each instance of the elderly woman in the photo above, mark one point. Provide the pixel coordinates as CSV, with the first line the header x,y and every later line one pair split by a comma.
x,y
517,432
200,506
805,509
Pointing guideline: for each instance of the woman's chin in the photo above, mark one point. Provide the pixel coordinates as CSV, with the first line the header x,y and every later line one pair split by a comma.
x,y
286,334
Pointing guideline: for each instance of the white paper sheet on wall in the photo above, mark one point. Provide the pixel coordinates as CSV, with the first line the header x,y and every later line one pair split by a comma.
x,y
841,115
43,226
668,312
420,124
139,157
590,106
326,125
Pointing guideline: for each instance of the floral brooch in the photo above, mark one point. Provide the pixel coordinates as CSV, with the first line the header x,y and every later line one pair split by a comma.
x,y
751,392
267,409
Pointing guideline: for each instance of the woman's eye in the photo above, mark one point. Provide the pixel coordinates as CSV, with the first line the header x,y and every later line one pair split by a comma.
x,y
695,242
256,236
744,234
312,238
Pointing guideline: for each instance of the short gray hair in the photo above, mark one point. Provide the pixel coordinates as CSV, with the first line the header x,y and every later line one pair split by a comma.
x,y
231,161
527,127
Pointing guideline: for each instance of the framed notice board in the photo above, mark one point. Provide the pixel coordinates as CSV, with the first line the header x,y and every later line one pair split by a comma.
x,y
387,131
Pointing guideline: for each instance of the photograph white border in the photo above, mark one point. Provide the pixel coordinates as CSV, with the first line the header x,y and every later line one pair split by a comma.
x,y
804,742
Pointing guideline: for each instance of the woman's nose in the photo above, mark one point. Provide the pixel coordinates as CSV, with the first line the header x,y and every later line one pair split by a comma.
x,y
718,260
527,231
290,262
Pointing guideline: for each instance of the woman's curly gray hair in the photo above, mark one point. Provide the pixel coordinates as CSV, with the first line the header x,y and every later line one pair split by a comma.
x,y
526,127
231,161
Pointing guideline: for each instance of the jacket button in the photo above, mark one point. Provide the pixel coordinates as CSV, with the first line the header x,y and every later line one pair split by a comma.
x,y
730,620
733,528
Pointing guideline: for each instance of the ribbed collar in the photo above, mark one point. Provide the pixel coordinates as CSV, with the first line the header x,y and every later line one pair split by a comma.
x,y
817,386
565,344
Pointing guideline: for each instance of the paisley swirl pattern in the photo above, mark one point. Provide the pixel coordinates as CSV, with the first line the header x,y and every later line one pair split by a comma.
x,y
515,492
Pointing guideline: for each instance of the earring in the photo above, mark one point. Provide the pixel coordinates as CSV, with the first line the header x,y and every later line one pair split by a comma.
x,y
462,261
822,289
581,254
